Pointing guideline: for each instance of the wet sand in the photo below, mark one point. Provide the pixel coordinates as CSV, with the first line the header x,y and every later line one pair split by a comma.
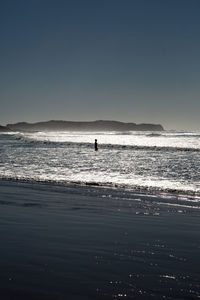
x,y
58,243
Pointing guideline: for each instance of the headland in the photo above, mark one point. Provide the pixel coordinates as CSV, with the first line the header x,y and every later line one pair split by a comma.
x,y
100,125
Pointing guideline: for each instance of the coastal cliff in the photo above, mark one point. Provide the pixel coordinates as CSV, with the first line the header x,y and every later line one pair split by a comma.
x,y
84,126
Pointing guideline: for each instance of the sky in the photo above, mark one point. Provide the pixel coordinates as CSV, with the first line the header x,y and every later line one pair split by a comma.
x,y
126,60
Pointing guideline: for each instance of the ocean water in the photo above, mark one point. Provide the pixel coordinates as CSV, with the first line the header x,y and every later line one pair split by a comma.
x,y
118,223
161,162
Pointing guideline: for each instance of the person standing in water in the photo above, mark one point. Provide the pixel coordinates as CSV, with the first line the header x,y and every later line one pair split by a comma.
x,y
95,145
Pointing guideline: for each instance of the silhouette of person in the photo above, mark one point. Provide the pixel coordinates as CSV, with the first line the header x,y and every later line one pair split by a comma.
x,y
95,145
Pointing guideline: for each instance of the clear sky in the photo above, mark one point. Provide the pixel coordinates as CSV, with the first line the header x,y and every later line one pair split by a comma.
x,y
126,60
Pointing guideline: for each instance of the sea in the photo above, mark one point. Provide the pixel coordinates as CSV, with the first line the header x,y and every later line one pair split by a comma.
x,y
118,223
166,162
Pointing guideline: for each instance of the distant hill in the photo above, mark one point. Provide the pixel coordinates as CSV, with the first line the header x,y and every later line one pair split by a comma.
x,y
83,126
4,129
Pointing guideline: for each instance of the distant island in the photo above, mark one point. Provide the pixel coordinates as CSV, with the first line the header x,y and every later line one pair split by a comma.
x,y
100,125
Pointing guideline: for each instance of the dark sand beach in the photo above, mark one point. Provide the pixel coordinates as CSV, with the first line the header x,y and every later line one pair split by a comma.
x,y
64,243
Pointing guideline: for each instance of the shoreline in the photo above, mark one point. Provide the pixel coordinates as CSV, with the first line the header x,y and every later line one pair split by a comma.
x,y
163,197
59,243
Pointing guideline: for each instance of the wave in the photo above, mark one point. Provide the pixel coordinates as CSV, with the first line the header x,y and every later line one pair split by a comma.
x,y
9,135
182,135
154,134
177,193
108,146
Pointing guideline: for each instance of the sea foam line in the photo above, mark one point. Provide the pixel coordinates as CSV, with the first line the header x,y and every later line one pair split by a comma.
x,y
110,185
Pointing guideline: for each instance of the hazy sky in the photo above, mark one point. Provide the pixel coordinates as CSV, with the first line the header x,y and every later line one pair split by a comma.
x,y
127,60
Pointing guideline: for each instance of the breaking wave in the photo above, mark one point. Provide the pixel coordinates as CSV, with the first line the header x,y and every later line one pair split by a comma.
x,y
107,146
121,187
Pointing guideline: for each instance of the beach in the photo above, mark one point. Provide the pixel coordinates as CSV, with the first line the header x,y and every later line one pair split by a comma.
x,y
100,150
66,242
